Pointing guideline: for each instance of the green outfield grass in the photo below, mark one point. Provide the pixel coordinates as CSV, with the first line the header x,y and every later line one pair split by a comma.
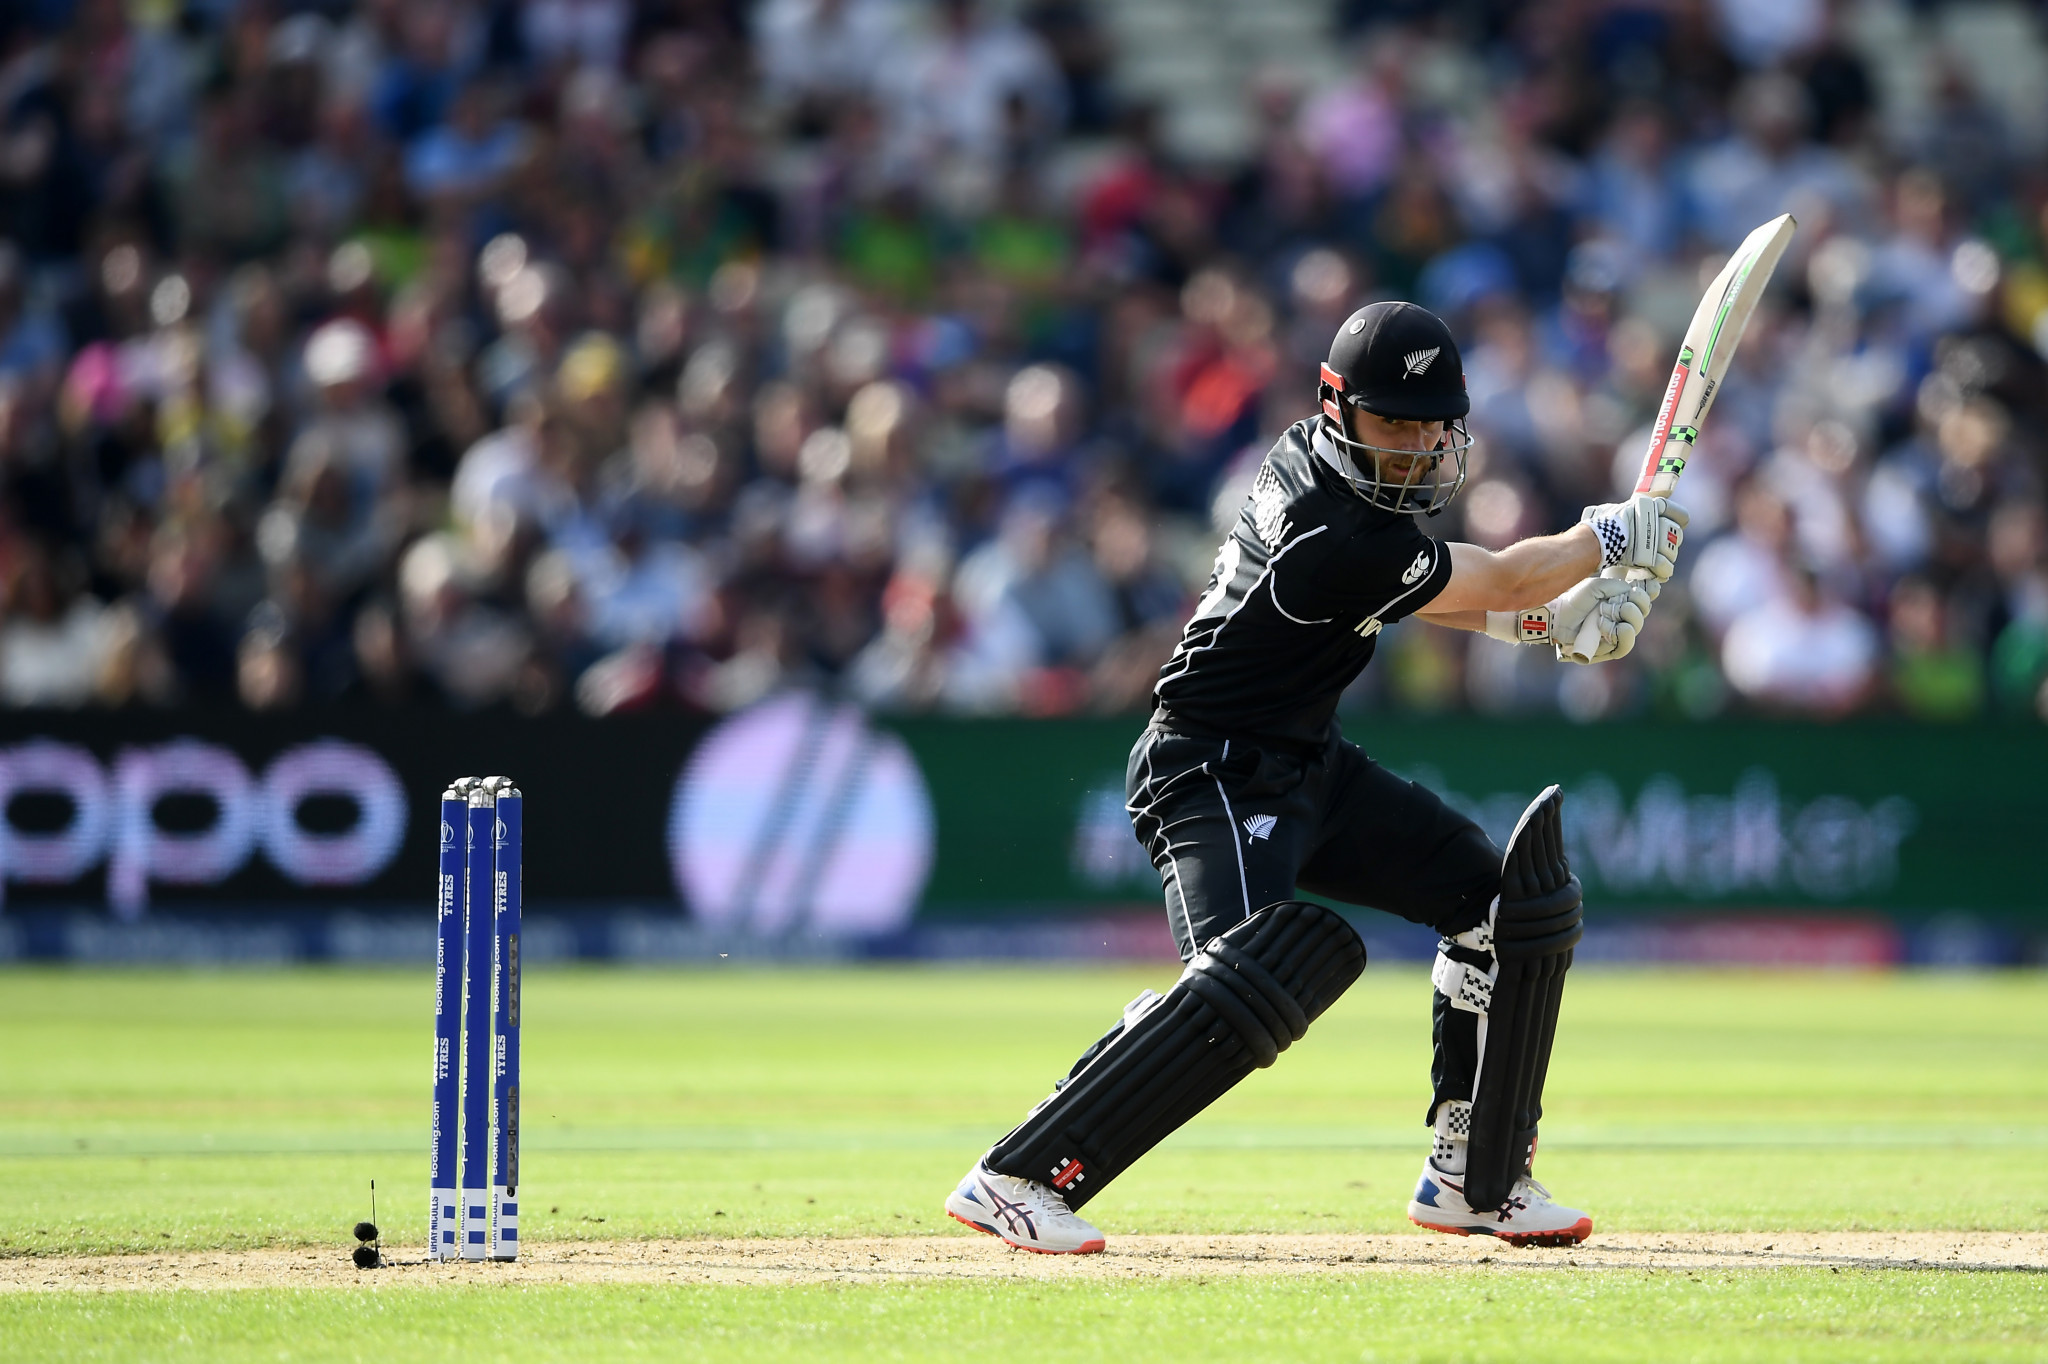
x,y
1622,1318
145,1110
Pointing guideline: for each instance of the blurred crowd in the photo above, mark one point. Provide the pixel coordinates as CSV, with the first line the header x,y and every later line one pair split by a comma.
x,y
629,353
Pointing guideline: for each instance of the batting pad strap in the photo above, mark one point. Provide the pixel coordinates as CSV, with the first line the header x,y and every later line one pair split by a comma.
x,y
1244,977
1465,985
1254,1026
1454,1119
1250,994
1542,926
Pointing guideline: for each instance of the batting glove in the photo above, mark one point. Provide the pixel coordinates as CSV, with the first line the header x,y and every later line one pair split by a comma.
x,y
1643,532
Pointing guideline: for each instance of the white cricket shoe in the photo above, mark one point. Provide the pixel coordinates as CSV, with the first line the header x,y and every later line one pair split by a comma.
x,y
1528,1218
1027,1214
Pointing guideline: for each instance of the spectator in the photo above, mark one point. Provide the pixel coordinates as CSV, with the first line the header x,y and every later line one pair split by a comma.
x,y
328,180
322,522
466,160
1766,167
1632,189
1765,32
472,649
979,89
573,352
1032,602
57,641
427,52
576,32
1934,675
1041,425
352,427
1745,571
1805,653
31,344
1355,129
1912,268
228,189
267,671
817,54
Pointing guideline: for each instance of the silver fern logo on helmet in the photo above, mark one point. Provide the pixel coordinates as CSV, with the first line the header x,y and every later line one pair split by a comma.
x,y
1419,361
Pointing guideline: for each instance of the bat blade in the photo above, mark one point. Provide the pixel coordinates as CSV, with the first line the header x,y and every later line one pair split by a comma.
x,y
1708,351
1704,358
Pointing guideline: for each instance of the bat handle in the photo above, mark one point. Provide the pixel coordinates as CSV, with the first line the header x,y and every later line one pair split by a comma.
x,y
1588,642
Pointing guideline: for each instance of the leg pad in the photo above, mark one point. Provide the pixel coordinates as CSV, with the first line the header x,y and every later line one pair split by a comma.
x,y
1245,998
1535,928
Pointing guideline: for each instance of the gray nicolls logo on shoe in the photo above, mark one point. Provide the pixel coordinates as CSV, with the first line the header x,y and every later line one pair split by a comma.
x,y
1418,361
1416,569
1260,826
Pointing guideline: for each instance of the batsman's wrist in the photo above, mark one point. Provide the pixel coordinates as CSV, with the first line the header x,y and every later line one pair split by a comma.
x,y
1520,627
1613,534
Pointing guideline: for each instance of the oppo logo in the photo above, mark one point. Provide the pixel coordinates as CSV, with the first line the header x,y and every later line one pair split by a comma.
x,y
113,816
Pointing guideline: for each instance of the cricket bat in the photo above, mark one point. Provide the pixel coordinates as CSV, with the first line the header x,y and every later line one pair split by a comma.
x,y
1703,360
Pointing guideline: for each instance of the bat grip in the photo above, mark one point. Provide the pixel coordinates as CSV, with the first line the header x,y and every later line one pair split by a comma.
x,y
1588,642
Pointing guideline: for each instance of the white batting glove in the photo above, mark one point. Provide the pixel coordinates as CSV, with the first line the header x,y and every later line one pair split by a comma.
x,y
1616,608
1643,532
1560,621
1630,614
1537,625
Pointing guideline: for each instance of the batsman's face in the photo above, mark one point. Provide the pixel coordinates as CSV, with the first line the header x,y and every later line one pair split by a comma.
x,y
1391,434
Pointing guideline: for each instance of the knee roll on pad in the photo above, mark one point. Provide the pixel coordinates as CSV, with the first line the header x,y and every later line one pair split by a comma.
x,y
1534,929
1248,996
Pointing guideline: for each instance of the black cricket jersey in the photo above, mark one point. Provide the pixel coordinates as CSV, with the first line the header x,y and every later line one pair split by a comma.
x,y
1300,591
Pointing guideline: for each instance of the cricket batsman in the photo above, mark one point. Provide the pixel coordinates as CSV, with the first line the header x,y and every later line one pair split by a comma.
x,y
1245,793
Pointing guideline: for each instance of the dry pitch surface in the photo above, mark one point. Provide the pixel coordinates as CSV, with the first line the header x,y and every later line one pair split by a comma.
x,y
910,1259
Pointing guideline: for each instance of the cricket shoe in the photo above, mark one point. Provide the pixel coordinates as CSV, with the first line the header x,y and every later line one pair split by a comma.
x,y
1027,1214
1528,1218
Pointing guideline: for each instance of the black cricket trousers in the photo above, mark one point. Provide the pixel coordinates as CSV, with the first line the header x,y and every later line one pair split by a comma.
x,y
1234,825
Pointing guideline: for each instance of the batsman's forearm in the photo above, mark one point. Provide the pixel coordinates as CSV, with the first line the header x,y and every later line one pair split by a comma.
x,y
1541,568
1455,620
1521,576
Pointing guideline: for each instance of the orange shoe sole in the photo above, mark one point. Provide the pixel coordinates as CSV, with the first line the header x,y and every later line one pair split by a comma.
x,y
1085,1248
1568,1236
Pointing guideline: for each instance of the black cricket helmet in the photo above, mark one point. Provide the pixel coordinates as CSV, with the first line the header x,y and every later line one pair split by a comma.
x,y
1398,361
